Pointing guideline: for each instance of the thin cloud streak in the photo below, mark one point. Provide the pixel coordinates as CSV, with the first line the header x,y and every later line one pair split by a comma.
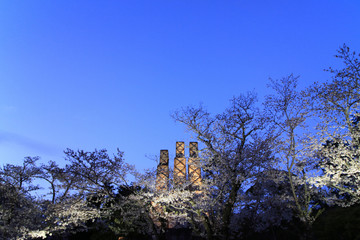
x,y
23,141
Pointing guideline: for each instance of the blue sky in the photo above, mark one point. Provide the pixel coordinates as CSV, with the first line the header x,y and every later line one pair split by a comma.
x,y
107,74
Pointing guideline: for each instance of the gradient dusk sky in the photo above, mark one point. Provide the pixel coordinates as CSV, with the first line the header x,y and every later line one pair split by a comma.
x,y
107,74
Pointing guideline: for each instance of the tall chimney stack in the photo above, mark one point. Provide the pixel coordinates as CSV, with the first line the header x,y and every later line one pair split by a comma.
x,y
180,165
162,173
194,170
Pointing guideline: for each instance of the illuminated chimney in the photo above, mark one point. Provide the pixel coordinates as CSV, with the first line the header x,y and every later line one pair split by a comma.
x,y
162,173
180,165
194,170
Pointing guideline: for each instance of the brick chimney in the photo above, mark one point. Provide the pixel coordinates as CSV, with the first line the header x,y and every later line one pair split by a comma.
x,y
194,170
180,165
162,173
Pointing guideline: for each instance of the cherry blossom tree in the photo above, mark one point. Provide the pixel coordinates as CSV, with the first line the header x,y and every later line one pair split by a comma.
x,y
289,110
19,210
237,149
336,142
81,192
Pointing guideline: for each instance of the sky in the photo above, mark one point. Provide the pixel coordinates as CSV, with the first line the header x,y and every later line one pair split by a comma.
x,y
108,74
